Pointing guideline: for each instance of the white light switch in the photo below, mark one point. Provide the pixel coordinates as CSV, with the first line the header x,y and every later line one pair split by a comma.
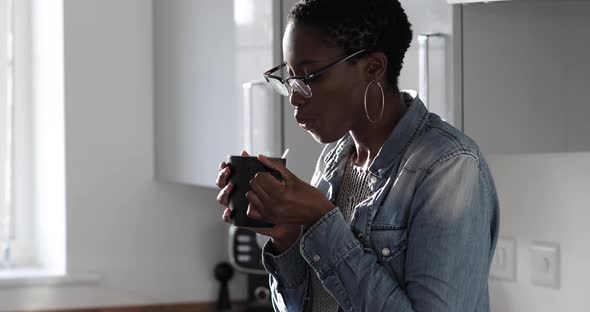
x,y
504,261
545,270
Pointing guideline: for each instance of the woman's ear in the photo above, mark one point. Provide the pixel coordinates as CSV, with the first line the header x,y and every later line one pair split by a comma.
x,y
375,66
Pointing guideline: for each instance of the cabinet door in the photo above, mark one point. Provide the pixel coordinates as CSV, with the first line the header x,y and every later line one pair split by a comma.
x,y
432,65
526,76
203,52
471,1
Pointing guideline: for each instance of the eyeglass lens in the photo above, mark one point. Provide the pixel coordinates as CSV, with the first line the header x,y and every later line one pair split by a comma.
x,y
279,87
293,85
300,87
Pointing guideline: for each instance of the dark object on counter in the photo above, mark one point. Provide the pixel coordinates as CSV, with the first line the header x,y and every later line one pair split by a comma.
x,y
223,273
258,294
245,256
243,169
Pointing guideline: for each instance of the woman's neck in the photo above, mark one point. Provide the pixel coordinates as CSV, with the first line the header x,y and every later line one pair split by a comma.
x,y
369,138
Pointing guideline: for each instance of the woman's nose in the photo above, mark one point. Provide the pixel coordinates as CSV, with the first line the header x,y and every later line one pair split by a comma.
x,y
297,99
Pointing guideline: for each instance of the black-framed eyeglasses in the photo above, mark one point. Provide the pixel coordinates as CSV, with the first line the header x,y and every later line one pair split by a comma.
x,y
299,83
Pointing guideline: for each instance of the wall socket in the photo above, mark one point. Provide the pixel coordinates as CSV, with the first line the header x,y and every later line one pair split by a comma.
x,y
545,264
504,262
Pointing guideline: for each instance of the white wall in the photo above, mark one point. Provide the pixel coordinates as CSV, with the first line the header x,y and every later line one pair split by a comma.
x,y
544,197
150,242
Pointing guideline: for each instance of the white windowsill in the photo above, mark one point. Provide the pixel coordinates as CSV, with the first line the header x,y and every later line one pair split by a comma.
x,y
31,277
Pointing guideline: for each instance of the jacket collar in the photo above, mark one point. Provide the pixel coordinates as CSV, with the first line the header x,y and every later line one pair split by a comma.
x,y
404,133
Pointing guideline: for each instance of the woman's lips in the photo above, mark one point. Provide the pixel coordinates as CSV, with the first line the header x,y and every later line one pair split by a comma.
x,y
305,123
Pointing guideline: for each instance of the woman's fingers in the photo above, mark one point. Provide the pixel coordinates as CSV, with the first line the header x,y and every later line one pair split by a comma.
x,y
222,175
259,183
226,188
252,213
226,215
254,207
286,175
224,172
223,196
263,231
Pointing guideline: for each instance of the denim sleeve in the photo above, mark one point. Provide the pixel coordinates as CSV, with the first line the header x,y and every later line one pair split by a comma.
x,y
288,271
450,239
287,277
447,258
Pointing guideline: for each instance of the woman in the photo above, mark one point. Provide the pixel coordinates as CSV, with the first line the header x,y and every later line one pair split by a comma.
x,y
402,212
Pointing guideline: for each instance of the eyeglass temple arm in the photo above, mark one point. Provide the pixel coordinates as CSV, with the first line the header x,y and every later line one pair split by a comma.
x,y
321,70
310,76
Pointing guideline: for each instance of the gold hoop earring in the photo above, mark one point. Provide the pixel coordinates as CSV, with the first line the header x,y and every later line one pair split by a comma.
x,y
382,102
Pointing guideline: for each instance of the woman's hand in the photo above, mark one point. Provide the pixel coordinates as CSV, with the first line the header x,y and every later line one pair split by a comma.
x,y
283,235
290,201
226,188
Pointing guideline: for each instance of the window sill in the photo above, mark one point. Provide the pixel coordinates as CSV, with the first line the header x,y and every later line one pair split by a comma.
x,y
36,277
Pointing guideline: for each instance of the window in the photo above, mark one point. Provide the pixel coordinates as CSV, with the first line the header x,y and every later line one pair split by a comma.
x,y
7,235
32,174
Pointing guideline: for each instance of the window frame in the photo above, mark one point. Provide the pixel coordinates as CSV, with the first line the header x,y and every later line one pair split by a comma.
x,y
38,244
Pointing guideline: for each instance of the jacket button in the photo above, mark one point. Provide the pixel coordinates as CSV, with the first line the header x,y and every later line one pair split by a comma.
x,y
385,251
316,258
373,180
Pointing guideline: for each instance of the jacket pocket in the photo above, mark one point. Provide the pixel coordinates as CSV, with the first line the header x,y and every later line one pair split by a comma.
x,y
389,244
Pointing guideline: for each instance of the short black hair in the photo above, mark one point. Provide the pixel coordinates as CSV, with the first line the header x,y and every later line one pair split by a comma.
x,y
378,25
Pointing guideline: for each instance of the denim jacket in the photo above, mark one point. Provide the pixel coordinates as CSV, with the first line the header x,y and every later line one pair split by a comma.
x,y
422,241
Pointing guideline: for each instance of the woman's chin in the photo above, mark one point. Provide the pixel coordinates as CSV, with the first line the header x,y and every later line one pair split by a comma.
x,y
317,138
324,138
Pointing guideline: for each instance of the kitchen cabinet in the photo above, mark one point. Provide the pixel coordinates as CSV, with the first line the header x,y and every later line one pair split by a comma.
x,y
493,1
210,98
432,65
472,1
526,75
203,52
